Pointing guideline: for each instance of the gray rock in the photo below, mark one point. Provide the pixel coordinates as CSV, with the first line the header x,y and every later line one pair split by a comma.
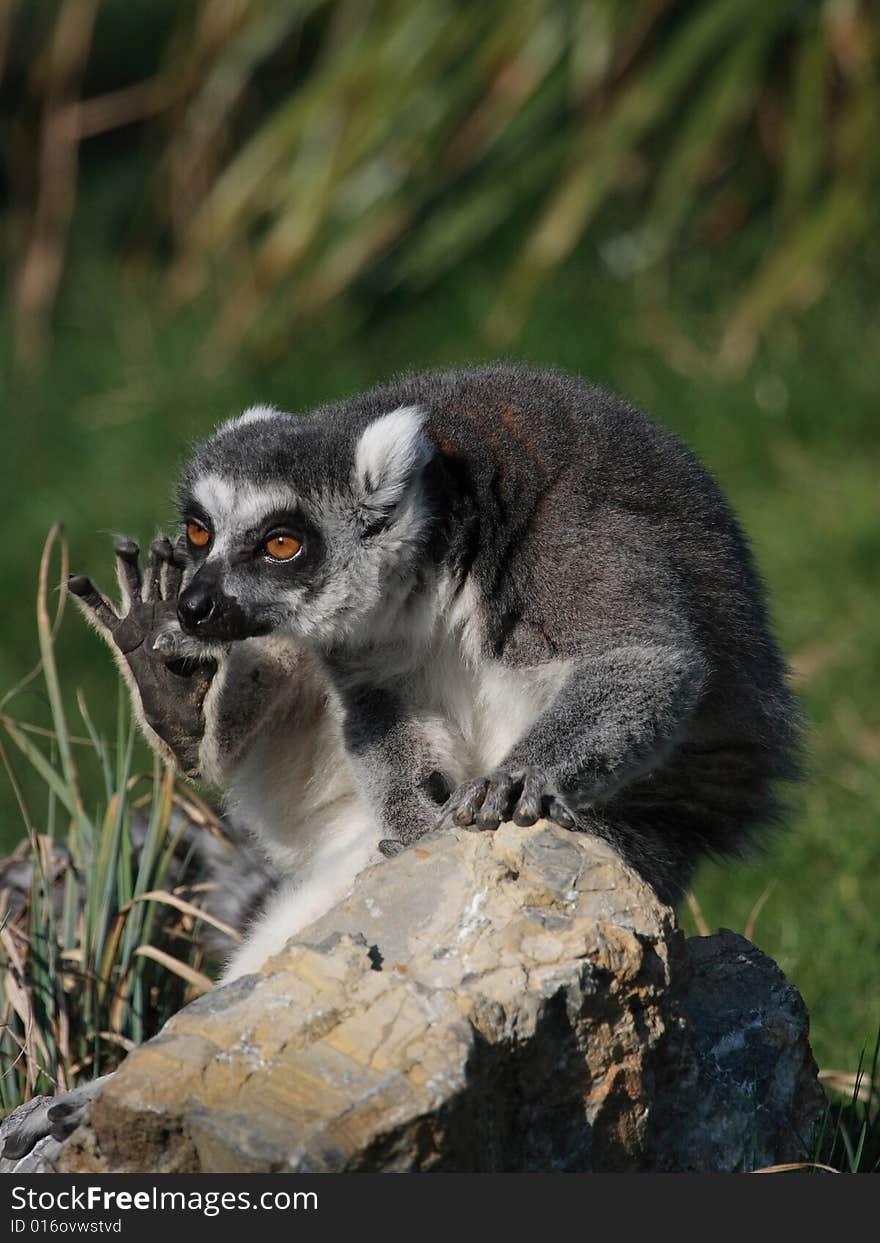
x,y
517,1000
744,1090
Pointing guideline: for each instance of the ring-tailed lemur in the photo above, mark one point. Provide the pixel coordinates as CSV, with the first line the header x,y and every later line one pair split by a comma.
x,y
515,591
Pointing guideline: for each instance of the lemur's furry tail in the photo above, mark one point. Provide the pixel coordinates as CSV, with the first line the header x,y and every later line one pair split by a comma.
x,y
237,876
241,882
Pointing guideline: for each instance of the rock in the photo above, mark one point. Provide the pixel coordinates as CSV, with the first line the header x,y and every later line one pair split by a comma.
x,y
744,1091
41,1159
517,1000
27,1145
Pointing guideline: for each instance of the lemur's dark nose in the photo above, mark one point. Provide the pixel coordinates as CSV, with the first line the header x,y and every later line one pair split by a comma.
x,y
196,606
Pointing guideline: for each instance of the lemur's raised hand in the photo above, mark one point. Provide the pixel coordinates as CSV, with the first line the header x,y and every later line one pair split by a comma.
x,y
256,718
522,591
168,690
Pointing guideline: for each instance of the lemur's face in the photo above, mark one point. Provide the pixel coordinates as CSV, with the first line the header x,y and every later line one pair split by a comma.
x,y
299,528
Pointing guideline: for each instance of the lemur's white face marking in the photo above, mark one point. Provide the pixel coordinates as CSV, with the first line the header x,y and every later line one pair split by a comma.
x,y
304,529
236,507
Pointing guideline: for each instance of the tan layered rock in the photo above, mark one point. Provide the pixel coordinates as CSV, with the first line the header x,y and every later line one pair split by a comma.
x,y
516,1000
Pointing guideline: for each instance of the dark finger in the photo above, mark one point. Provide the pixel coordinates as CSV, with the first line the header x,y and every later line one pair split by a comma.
x,y
155,563
128,569
528,809
93,600
559,814
471,802
173,564
496,803
464,805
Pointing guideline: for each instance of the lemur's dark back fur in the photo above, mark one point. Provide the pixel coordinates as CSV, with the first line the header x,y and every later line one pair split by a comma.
x,y
538,429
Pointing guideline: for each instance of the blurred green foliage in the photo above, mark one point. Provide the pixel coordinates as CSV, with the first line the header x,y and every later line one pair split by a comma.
x,y
301,151
321,194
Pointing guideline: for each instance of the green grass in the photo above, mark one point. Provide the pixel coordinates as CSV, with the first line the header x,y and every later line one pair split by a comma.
x,y
96,952
848,1137
94,440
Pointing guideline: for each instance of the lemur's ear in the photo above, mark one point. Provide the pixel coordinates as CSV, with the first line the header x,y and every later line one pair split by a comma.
x,y
391,453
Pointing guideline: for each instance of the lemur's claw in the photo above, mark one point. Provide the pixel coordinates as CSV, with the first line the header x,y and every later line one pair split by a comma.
x,y
496,801
522,795
79,584
559,814
461,809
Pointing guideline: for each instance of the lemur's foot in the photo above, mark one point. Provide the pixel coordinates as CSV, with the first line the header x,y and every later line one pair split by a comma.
x,y
522,795
46,1116
70,1109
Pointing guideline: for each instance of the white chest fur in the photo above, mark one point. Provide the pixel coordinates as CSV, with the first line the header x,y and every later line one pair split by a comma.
x,y
474,711
298,793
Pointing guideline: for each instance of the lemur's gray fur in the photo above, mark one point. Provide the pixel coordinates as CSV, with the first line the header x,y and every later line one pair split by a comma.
x,y
509,591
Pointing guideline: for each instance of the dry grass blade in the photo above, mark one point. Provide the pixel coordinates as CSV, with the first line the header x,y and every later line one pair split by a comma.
x,y
789,1167
855,1086
33,1046
54,533
115,1038
47,654
196,809
41,731
605,151
186,908
200,982
802,158
119,108
54,780
713,116
17,791
699,918
749,930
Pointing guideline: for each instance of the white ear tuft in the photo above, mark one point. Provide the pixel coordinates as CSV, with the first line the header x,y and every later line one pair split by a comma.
x,y
253,414
390,453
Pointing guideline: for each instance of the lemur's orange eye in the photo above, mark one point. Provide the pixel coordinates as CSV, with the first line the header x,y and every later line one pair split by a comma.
x,y
197,535
283,547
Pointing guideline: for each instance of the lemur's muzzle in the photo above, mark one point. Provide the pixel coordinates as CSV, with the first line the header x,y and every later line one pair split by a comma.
x,y
206,612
